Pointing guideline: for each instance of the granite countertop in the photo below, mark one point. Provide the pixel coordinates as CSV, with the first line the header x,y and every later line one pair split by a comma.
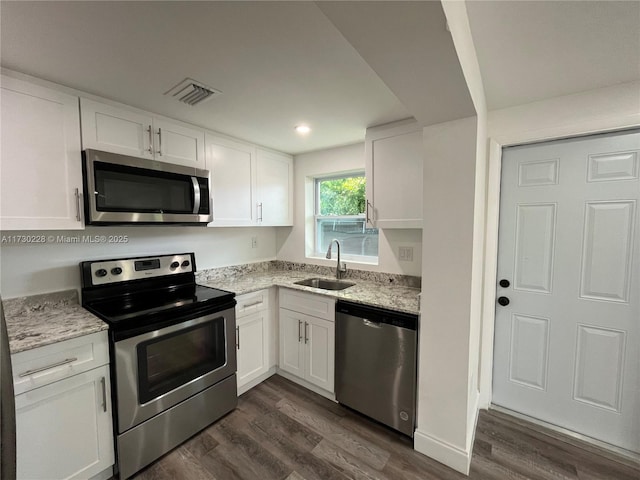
x,y
41,320
365,291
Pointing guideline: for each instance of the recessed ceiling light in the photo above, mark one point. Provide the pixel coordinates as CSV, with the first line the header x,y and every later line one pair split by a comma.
x,y
303,129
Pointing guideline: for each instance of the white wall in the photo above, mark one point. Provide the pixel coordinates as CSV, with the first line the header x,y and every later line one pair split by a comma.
x,y
292,243
445,310
453,260
28,269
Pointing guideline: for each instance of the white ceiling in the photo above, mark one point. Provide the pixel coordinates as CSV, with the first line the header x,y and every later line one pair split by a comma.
x,y
337,66
531,50
277,64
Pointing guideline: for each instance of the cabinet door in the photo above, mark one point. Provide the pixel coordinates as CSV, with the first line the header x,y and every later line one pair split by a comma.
x,y
274,188
394,158
252,342
292,342
232,166
178,143
117,130
64,430
320,352
41,182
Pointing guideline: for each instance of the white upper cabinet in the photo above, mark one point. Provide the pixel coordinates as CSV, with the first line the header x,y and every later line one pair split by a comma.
x,y
178,143
394,158
274,188
41,182
232,166
249,186
116,130
136,133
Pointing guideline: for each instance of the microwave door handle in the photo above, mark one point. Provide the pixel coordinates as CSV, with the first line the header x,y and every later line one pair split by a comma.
x,y
196,195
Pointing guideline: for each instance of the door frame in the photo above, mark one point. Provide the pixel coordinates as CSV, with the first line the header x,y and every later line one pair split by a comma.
x,y
496,142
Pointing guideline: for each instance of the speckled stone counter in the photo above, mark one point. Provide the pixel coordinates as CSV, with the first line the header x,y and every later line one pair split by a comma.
x,y
380,290
40,320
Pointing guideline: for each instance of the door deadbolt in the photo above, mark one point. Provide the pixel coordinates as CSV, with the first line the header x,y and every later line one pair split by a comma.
x,y
504,301
504,283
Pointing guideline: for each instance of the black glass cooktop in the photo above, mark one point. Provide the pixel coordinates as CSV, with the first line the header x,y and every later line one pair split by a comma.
x,y
159,304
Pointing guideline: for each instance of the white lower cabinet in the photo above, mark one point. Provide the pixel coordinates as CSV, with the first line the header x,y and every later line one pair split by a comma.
x,y
64,428
254,339
307,343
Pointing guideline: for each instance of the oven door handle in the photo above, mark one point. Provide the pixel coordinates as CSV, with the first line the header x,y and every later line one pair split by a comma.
x,y
196,195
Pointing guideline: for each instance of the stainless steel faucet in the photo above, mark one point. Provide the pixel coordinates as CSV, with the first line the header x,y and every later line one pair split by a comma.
x,y
341,268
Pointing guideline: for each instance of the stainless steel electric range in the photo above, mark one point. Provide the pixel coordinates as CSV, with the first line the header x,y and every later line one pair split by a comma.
x,y
172,346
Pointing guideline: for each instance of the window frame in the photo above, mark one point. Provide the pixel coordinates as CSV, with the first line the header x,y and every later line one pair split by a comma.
x,y
317,249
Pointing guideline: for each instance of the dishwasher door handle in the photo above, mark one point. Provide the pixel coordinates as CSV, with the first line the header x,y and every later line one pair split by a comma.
x,y
369,323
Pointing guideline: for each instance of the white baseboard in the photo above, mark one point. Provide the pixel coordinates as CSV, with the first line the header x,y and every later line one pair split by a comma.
x,y
248,386
472,422
443,452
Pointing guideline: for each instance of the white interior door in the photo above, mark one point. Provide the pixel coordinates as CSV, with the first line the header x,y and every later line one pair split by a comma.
x,y
567,344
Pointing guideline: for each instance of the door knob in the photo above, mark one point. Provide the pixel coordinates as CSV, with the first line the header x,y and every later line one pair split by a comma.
x,y
504,283
504,301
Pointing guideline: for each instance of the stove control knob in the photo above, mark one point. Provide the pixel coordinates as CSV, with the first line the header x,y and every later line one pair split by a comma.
x,y
174,265
116,271
101,273
185,264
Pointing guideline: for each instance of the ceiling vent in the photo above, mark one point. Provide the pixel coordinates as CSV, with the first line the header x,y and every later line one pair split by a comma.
x,y
191,92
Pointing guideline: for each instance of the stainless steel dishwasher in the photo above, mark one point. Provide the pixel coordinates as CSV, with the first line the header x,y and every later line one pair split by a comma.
x,y
376,363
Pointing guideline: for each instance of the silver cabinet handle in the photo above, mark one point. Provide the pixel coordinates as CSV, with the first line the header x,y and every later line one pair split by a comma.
x,y
299,330
77,194
238,338
368,219
103,383
306,338
150,132
260,214
252,304
53,365
159,141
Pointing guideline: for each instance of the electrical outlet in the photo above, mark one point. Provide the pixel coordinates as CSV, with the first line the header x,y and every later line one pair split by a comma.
x,y
254,242
405,254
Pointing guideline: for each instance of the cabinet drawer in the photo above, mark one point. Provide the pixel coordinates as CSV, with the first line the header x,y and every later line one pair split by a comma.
x,y
316,305
252,302
42,366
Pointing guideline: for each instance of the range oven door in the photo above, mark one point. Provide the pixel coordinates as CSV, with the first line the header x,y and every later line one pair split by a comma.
x,y
159,369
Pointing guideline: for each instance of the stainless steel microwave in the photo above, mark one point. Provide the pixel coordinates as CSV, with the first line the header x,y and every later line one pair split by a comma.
x,y
129,190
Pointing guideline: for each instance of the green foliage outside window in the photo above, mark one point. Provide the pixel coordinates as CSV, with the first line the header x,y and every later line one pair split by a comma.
x,y
342,196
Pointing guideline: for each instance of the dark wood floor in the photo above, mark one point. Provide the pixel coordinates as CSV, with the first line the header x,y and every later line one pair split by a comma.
x,y
283,431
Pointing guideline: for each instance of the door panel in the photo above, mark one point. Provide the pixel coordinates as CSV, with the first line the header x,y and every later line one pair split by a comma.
x,y
320,352
116,130
606,256
529,351
291,346
567,344
252,351
233,168
535,236
599,361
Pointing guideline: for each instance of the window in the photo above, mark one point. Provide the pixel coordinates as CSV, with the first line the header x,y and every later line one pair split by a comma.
x,y
340,214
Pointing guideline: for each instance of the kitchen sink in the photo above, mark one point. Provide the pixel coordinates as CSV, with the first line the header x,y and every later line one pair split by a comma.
x,y
325,284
